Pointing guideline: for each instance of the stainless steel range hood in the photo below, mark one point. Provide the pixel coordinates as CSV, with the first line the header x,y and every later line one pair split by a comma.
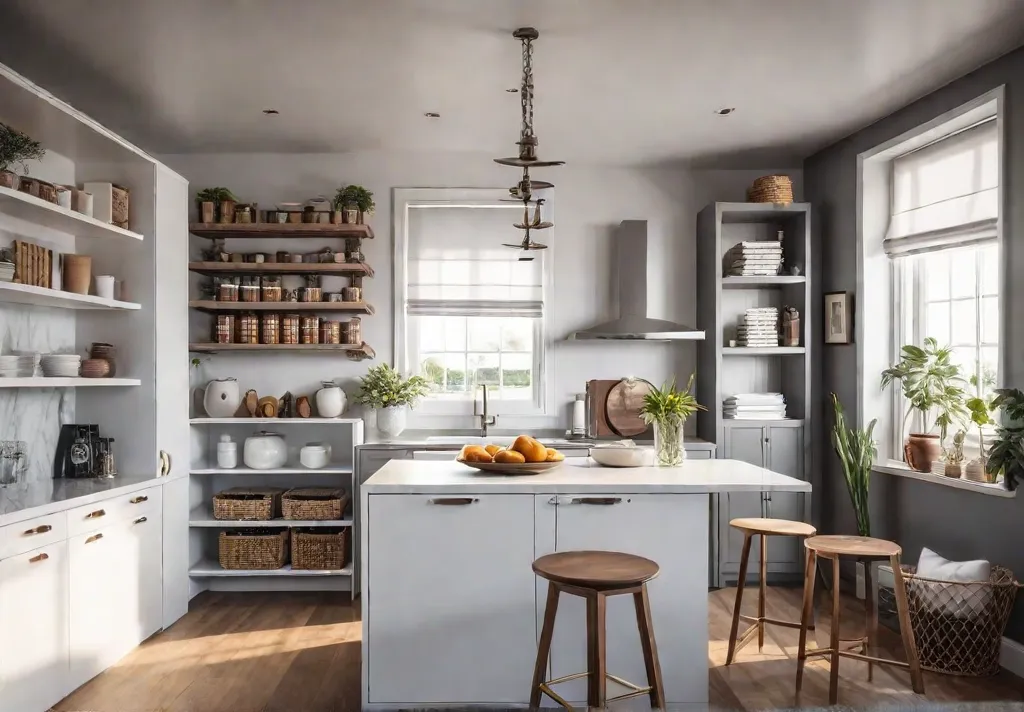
x,y
634,324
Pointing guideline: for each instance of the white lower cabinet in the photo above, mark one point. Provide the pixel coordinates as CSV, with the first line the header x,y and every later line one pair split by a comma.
x,y
34,629
448,621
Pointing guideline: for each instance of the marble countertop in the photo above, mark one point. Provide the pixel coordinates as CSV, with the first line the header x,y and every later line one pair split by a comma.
x,y
585,477
34,499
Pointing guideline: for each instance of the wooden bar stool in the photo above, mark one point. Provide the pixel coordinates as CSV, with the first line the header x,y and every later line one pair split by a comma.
x,y
867,550
764,528
594,576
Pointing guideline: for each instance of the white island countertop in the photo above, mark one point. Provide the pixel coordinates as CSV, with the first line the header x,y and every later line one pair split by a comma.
x,y
585,476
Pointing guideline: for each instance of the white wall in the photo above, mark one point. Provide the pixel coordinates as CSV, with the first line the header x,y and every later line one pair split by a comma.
x,y
589,201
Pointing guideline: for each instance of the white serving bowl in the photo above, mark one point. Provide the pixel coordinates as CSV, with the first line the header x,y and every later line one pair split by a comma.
x,y
624,453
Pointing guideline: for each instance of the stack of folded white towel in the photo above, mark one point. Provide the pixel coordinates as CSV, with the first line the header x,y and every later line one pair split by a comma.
x,y
760,257
760,327
755,406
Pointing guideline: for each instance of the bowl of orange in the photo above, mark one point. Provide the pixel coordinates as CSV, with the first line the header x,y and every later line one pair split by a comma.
x,y
526,456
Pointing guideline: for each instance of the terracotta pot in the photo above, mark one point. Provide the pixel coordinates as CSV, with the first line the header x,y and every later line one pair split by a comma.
x,y
977,471
336,216
76,273
921,450
955,470
227,211
207,211
8,179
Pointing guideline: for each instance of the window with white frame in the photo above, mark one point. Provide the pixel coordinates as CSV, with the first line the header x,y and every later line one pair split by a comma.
x,y
473,309
943,243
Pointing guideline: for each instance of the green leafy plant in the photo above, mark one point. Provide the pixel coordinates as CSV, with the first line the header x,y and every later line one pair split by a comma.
x,y
931,383
383,387
1007,452
954,454
667,403
857,451
17,147
980,407
216,195
354,196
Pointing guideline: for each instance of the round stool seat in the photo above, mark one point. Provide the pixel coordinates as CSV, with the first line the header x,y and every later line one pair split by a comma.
x,y
839,545
600,570
779,527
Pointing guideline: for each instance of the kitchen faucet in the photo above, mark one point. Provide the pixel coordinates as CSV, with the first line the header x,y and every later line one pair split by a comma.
x,y
485,419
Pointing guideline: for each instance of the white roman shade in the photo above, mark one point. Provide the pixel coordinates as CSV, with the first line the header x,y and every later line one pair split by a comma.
x,y
946,194
458,267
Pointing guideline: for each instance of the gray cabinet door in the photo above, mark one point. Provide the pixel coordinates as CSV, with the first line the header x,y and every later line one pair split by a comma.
x,y
786,456
747,443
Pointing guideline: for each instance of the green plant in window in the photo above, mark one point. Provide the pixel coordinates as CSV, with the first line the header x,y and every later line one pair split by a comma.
x,y
1007,453
857,451
932,385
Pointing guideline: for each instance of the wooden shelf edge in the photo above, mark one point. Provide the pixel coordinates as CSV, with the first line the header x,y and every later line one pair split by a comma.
x,y
326,268
211,305
216,231
355,352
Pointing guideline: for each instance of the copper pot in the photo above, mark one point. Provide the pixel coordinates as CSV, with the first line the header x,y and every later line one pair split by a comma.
x,y
921,450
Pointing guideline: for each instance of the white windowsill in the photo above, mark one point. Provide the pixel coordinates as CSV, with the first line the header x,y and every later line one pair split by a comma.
x,y
901,470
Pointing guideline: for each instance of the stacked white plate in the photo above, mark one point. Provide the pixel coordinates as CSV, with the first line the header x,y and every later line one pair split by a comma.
x,y
19,365
755,258
61,365
760,327
6,271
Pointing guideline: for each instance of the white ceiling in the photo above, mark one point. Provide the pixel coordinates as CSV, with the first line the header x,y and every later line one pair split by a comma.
x,y
617,81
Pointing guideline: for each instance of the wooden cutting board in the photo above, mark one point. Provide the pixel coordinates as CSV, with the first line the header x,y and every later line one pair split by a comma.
x,y
616,407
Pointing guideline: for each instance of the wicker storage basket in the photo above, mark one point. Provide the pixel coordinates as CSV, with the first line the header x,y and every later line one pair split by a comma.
x,y
771,189
319,549
958,627
254,503
253,548
313,503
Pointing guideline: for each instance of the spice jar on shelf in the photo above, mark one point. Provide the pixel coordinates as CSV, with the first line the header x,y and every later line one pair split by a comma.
x,y
310,294
271,288
248,328
355,331
310,330
290,329
224,331
227,292
270,329
330,332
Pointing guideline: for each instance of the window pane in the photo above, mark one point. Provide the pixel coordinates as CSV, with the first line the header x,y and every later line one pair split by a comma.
x,y
934,270
965,322
455,373
431,332
966,357
938,322
517,334
963,273
432,368
989,269
484,333
990,320
517,376
989,367
454,333
483,369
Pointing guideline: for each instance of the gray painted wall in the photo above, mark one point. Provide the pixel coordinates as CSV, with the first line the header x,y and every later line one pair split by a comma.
x,y
956,523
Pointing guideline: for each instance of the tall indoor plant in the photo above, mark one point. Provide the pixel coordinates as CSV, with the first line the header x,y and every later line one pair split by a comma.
x,y
1007,453
857,451
667,409
391,396
933,385
16,148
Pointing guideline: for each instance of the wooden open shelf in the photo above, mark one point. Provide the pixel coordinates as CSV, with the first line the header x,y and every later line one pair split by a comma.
x,y
356,352
218,231
210,305
324,268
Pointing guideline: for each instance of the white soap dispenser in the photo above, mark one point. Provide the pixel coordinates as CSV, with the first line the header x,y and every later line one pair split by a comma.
x,y
227,453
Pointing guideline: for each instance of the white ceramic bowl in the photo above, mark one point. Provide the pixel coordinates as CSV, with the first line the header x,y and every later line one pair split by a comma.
x,y
622,454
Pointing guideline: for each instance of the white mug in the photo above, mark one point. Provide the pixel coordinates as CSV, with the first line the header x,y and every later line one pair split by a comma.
x,y
104,286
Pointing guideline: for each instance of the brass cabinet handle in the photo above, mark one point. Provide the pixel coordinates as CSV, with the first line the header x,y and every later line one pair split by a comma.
x,y
595,500
140,520
139,500
96,515
94,537
41,529
39,557
452,501
165,463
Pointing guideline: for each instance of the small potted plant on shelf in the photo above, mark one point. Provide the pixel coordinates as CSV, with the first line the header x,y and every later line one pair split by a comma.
x,y
954,456
16,147
1006,456
385,391
352,204
857,451
980,408
667,409
932,385
211,200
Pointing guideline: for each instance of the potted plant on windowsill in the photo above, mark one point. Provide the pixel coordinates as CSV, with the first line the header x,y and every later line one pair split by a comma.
x,y
16,147
1006,456
954,456
932,384
667,410
857,451
385,391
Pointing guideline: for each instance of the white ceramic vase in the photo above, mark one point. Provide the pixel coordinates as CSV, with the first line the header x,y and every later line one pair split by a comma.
x,y
330,400
221,398
391,420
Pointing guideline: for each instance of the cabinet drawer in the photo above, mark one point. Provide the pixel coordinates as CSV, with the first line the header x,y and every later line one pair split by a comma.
x,y
91,517
32,533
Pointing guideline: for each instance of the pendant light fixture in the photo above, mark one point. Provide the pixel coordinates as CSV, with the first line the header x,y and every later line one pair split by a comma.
x,y
523,190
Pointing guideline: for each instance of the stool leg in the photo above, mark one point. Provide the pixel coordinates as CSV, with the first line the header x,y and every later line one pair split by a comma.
x,y
544,646
833,682
762,593
900,586
733,632
597,668
650,648
805,616
871,618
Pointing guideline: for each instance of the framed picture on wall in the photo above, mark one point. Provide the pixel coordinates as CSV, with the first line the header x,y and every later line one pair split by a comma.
x,y
838,318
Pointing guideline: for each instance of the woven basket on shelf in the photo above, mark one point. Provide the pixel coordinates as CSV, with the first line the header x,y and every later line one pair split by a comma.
x,y
319,549
252,503
313,503
253,549
958,627
771,189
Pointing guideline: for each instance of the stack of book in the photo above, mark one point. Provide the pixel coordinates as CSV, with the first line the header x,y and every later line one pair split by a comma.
x,y
754,406
759,328
757,258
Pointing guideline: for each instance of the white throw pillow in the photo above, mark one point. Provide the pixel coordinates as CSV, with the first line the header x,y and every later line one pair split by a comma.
x,y
938,598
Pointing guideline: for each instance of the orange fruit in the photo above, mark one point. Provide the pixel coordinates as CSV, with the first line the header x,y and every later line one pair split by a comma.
x,y
492,449
554,456
475,453
509,457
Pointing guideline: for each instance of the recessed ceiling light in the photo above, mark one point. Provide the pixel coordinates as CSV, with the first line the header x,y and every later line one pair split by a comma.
x,y
725,111
271,112
513,90
432,115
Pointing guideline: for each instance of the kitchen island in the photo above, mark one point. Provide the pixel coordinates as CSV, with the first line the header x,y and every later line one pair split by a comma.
x,y
452,609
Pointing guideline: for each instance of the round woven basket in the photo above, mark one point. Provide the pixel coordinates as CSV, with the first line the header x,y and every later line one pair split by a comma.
x,y
771,189
958,627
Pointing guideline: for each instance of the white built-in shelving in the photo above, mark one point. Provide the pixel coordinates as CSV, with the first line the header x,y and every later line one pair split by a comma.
x,y
332,469
275,421
211,569
45,382
203,517
762,350
12,293
42,212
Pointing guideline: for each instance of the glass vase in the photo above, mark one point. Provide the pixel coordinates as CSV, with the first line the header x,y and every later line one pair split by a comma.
x,y
668,443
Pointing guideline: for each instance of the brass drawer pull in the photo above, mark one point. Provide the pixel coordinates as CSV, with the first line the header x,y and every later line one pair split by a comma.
x,y
41,529
139,500
595,500
96,515
94,537
140,520
39,557
452,501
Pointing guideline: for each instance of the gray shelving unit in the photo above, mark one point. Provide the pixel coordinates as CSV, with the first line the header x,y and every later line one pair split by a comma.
x,y
779,445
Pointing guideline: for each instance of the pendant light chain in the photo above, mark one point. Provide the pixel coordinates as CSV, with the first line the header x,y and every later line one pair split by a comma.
x,y
526,92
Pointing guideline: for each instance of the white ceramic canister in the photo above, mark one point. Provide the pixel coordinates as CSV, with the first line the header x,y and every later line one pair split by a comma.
x,y
221,398
264,451
227,453
330,400
315,455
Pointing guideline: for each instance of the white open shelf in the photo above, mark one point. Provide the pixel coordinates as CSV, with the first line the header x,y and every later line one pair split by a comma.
x,y
761,350
761,282
207,568
44,382
276,421
203,517
333,469
43,297
42,212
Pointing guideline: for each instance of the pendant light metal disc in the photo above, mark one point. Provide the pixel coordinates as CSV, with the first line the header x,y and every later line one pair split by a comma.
x,y
538,226
520,163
